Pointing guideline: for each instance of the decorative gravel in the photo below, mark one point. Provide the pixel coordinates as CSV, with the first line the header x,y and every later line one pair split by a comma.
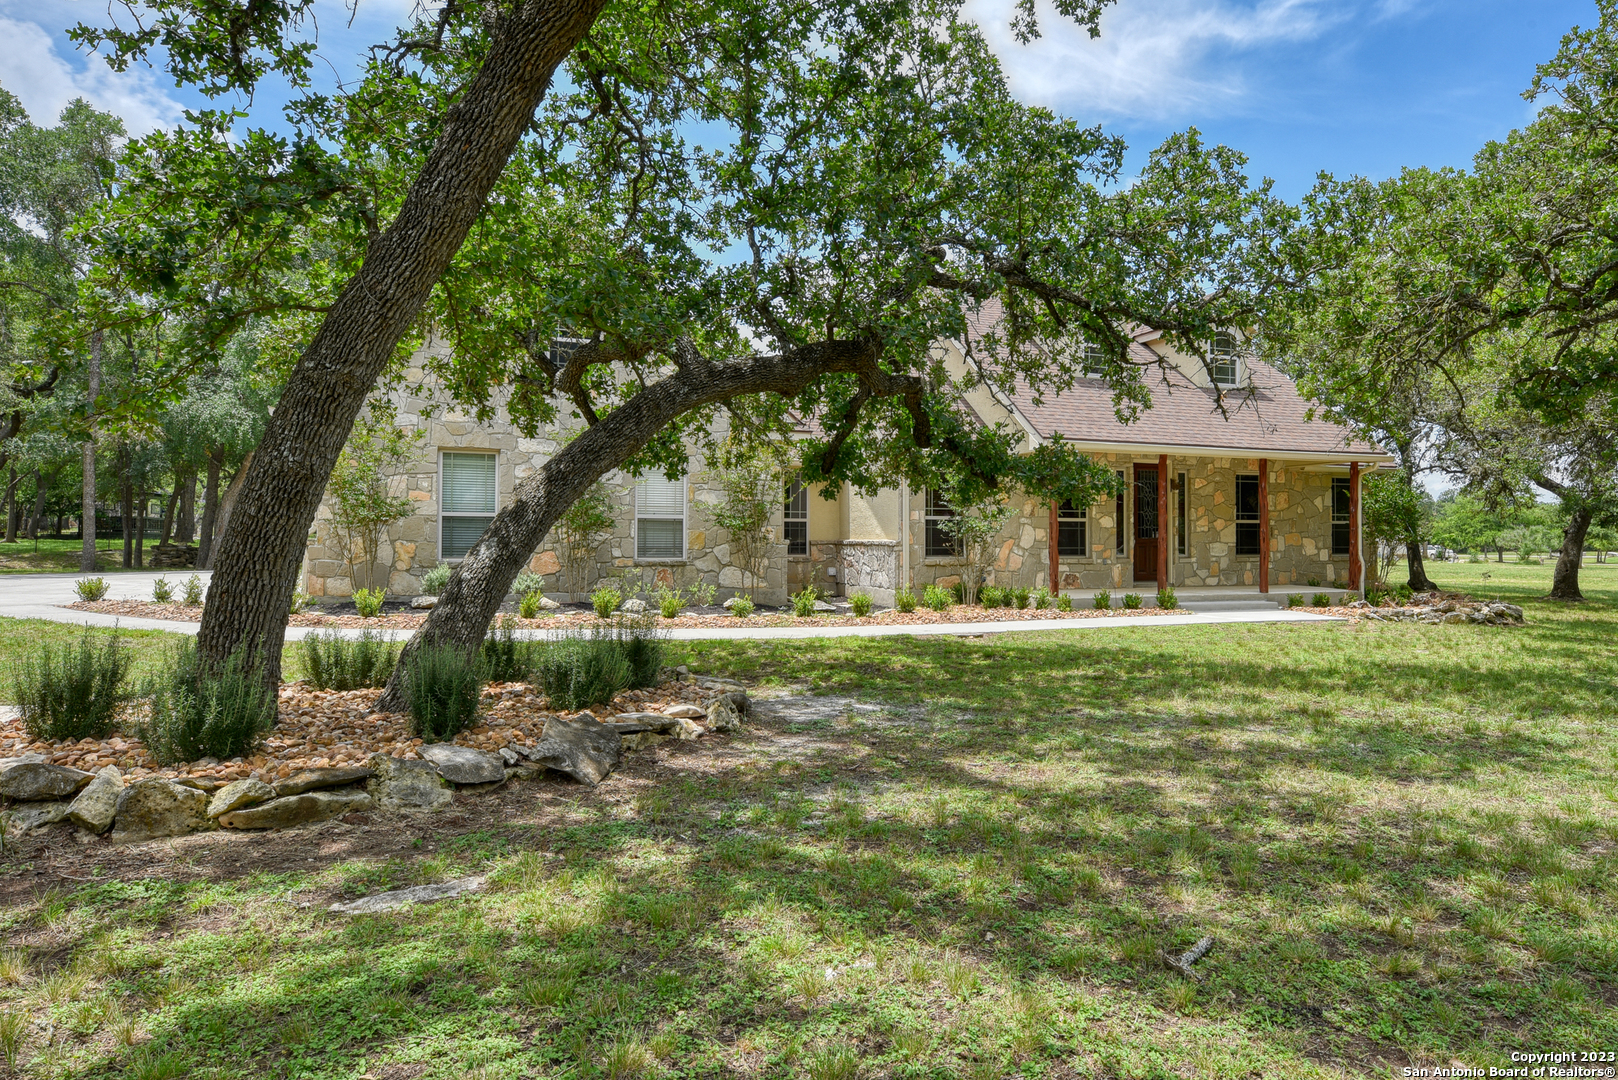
x,y
319,728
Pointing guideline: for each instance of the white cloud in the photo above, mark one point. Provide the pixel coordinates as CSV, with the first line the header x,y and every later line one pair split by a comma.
x,y
44,81
1155,59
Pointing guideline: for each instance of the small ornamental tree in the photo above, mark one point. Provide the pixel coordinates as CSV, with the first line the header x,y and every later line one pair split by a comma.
x,y
579,531
361,490
975,527
751,478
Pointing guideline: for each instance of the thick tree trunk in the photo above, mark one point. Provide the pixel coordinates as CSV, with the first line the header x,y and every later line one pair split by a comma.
x,y
460,618
185,525
210,509
1419,580
167,528
87,505
256,567
227,504
1565,581
126,507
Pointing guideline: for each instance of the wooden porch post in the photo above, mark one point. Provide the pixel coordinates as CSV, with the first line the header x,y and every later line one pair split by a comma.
x,y
1056,583
1263,525
1356,564
1162,521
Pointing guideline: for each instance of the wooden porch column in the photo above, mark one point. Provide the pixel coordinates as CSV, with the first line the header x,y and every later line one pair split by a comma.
x,y
1263,525
1056,582
1356,565
1162,522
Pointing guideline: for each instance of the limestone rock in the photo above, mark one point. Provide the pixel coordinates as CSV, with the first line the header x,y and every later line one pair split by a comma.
x,y
509,756
632,723
726,712
707,682
420,894
297,810
238,795
547,604
401,784
822,607
688,712
585,751
636,606
8,762
37,781
37,815
155,807
641,740
97,804
314,779
422,603
464,765
687,730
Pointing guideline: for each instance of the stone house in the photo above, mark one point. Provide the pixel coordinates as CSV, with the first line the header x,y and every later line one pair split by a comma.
x,y
1265,494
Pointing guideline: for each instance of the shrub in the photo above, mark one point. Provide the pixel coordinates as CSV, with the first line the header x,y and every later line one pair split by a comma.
x,y
162,591
1103,600
1064,603
528,606
197,712
989,596
606,600
905,599
703,593
957,592
1166,598
742,608
1021,596
368,602
528,583
193,591
1042,598
669,602
333,662
1294,600
1322,599
504,656
1131,600
803,603
1312,582
300,600
642,649
861,603
91,589
434,580
1403,592
939,599
441,687
581,670
75,693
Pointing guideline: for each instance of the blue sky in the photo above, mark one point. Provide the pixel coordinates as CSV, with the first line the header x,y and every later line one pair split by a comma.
x,y
1348,86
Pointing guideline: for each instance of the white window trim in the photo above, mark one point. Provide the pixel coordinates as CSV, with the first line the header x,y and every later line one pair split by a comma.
x,y
685,523
1235,357
442,513
1088,554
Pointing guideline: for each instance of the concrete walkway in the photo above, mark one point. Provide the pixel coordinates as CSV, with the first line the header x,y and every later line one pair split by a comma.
x,y
42,596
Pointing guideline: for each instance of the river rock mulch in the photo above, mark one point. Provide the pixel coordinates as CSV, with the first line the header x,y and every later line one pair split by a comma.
x,y
332,729
577,619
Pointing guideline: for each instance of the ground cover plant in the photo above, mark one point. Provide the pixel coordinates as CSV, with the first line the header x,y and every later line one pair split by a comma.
x,y
961,860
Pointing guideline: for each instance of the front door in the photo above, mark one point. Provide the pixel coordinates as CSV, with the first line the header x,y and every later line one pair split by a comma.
x,y
1146,553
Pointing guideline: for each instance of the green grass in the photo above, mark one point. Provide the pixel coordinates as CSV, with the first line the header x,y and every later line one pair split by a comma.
x,y
1404,839
22,637
59,556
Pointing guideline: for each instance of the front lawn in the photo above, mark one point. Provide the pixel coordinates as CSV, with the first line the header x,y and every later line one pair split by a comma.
x,y
48,555
962,859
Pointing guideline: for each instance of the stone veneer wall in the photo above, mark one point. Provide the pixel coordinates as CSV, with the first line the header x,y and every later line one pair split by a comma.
x,y
870,566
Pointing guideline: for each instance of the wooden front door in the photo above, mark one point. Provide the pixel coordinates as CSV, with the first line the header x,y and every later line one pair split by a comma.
x,y
1146,532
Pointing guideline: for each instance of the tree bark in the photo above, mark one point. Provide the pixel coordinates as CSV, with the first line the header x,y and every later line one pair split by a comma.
x,y
140,527
185,525
1565,580
166,530
87,505
11,506
257,562
1419,581
227,503
39,504
476,588
126,506
210,509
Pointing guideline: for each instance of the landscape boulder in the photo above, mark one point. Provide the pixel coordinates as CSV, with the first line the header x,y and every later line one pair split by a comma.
x,y
634,607
154,807
37,815
727,711
238,795
583,749
38,781
398,898
686,712
314,779
464,765
97,804
293,810
422,603
402,784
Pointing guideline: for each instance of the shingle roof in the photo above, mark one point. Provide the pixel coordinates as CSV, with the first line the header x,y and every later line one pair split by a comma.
x,y
1268,415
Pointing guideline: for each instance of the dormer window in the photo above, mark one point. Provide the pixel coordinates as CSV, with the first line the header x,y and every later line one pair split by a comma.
x,y
1095,361
1224,360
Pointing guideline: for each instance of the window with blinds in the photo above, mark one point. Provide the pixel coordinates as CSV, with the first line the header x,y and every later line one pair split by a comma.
x,y
795,518
468,500
1071,526
660,518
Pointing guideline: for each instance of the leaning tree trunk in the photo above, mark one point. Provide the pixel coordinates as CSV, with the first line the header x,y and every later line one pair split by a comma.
x,y
460,618
1565,582
185,523
255,569
87,507
1419,581
210,509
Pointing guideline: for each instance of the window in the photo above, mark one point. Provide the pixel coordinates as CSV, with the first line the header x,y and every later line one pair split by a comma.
x,y
1070,529
1247,515
660,518
470,498
1179,514
795,518
1118,515
1095,360
940,542
1224,360
1340,502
